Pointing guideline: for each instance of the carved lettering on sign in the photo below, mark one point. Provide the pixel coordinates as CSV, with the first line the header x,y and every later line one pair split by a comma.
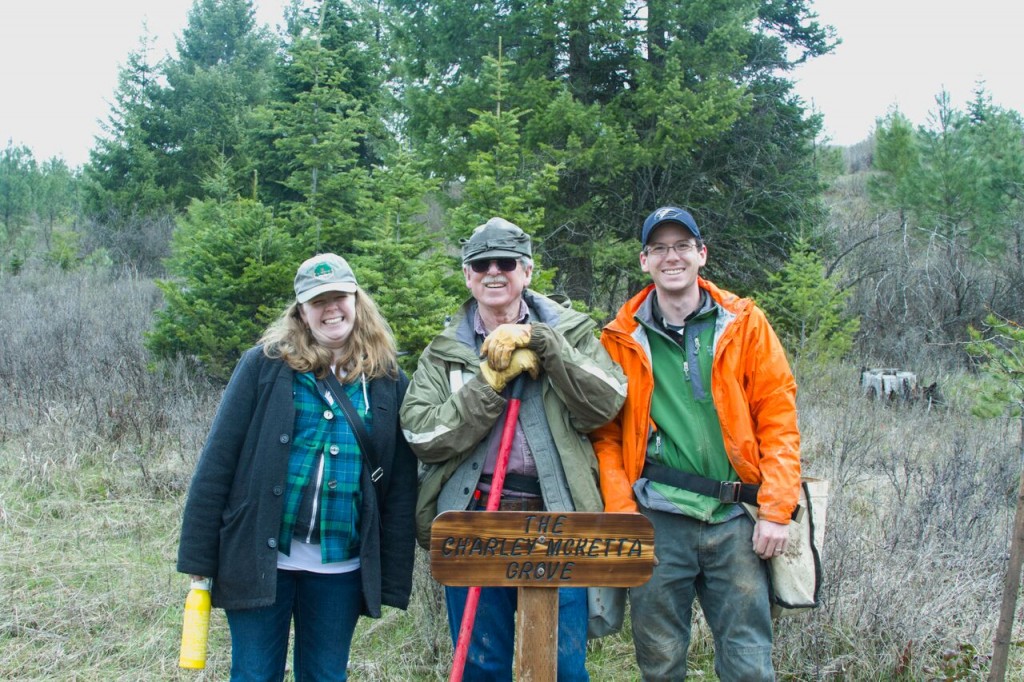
x,y
531,548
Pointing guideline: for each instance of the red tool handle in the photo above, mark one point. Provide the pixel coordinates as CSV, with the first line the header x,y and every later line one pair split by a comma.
x,y
493,500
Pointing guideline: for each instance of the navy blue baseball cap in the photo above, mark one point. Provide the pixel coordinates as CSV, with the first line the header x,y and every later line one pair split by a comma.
x,y
668,214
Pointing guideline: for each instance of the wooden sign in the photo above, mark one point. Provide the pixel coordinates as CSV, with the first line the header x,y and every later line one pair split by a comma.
x,y
541,549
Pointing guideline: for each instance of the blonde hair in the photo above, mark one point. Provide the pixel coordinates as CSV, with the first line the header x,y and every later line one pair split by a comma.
x,y
369,351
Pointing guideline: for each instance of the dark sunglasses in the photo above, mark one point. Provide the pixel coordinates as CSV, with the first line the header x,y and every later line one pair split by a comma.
x,y
504,264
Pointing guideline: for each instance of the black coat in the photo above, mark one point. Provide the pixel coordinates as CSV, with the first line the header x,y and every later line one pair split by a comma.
x,y
233,512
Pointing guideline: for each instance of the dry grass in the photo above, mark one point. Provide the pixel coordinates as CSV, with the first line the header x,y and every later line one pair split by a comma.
x,y
96,451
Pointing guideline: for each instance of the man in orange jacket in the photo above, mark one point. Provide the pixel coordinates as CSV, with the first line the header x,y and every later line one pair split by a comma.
x,y
709,420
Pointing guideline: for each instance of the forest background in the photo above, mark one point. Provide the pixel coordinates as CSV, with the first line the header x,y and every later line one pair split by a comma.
x,y
385,132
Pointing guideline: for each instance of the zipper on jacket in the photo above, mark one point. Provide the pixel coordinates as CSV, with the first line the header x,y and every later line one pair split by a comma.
x,y
316,499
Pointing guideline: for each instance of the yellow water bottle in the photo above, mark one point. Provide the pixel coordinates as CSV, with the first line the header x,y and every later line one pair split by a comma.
x,y
196,626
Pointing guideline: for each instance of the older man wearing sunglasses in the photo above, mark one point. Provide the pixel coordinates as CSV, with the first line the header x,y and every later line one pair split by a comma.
x,y
455,408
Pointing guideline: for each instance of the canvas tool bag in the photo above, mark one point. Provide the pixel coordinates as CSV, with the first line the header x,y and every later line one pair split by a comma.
x,y
795,575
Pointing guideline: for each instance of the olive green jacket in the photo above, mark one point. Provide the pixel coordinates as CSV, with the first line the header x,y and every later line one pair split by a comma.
x,y
449,410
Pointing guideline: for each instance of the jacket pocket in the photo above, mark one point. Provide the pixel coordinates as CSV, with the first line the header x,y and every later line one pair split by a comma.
x,y
236,565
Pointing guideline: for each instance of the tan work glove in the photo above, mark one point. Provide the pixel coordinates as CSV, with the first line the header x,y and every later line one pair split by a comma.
x,y
500,343
521,360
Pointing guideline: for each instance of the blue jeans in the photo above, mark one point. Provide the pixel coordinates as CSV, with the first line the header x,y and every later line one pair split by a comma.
x,y
716,564
493,641
325,608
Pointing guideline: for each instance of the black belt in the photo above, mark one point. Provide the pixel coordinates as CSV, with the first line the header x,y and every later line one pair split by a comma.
x,y
507,503
728,492
517,483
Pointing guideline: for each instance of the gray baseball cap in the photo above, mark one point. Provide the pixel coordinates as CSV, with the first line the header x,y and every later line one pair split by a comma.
x,y
497,238
322,273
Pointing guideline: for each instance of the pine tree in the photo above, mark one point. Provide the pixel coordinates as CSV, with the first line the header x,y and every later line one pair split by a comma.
x,y
56,196
503,178
316,144
121,181
898,159
808,309
17,170
319,134
998,347
220,75
955,183
685,103
402,262
231,272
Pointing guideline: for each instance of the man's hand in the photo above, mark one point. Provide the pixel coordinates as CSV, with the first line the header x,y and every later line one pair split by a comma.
x,y
521,360
770,538
500,343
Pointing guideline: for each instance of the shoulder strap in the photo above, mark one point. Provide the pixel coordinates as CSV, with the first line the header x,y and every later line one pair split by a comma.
x,y
358,427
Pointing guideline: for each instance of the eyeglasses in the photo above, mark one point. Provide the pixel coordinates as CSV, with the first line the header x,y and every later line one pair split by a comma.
x,y
661,250
504,264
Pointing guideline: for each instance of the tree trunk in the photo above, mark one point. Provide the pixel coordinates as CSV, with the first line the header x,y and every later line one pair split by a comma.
x,y
1011,585
656,41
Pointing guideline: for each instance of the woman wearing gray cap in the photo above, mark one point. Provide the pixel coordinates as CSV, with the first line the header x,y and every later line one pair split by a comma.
x,y
305,471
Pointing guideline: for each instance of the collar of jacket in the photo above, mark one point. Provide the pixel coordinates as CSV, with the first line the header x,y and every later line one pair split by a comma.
x,y
625,322
455,342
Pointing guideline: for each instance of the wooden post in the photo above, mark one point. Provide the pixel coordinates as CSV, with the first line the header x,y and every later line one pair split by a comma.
x,y
1011,582
537,634
538,552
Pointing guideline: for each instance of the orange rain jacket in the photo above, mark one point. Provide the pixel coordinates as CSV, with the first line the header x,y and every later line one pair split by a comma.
x,y
754,393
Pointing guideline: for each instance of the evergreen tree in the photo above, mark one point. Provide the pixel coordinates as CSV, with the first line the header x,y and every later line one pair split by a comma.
x,y
17,172
231,270
677,103
317,143
62,250
898,160
955,183
319,134
957,177
402,262
808,309
947,189
56,197
999,347
127,207
997,140
503,179
221,73
120,181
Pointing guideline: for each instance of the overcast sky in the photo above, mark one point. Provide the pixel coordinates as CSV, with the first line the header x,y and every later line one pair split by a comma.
x,y
59,62
904,52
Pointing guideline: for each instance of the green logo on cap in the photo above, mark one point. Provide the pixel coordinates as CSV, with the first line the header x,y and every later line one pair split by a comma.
x,y
322,270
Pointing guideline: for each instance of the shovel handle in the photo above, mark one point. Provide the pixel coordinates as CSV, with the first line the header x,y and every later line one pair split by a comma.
x,y
493,500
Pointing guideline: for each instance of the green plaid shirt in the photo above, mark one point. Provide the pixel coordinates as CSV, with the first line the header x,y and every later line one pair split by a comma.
x,y
321,431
